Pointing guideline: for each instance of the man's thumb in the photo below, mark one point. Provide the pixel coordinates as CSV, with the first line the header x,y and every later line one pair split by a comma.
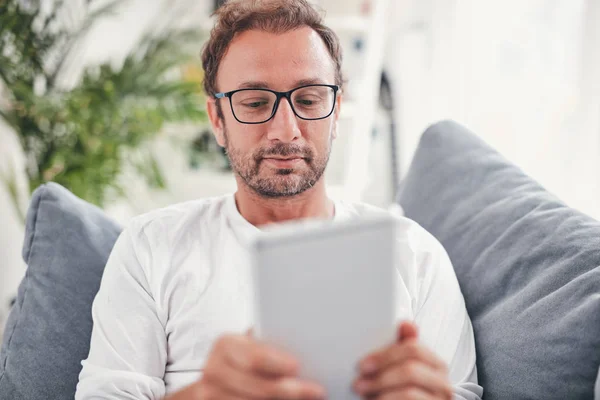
x,y
407,330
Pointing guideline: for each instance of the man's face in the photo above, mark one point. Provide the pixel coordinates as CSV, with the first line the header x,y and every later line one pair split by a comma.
x,y
286,155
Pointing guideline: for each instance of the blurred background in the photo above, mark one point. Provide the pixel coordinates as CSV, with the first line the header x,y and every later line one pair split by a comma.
x,y
104,97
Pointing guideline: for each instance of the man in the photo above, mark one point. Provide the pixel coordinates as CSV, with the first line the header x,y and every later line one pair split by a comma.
x,y
172,316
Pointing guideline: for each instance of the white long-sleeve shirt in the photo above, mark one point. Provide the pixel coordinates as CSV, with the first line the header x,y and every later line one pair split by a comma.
x,y
179,277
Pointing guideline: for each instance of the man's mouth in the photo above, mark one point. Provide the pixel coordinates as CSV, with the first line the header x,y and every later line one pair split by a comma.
x,y
283,162
283,158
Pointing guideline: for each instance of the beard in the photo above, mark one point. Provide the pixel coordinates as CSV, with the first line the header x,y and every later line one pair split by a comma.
x,y
276,183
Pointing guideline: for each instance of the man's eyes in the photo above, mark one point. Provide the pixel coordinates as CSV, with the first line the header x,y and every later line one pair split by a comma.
x,y
308,101
255,103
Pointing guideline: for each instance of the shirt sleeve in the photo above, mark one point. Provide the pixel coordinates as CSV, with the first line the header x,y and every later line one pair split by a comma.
x,y
441,315
128,348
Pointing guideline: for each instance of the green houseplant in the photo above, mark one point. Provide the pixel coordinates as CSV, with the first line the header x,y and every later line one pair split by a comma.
x,y
85,136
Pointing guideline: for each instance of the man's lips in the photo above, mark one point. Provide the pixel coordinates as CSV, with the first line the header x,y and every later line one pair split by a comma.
x,y
283,158
284,162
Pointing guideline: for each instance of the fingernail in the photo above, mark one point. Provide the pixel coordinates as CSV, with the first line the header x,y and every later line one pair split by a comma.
x,y
286,364
368,367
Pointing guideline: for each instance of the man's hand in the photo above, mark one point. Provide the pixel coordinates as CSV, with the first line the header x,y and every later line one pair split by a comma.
x,y
240,367
404,370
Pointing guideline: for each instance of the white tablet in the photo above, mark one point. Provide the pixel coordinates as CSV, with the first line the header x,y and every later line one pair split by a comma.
x,y
326,293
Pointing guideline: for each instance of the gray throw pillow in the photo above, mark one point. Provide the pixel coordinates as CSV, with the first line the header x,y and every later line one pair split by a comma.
x,y
67,244
597,396
528,266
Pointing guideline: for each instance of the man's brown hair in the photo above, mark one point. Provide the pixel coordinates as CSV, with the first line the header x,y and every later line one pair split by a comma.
x,y
276,16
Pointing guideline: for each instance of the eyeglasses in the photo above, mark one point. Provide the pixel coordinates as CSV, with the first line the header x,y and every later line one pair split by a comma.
x,y
257,106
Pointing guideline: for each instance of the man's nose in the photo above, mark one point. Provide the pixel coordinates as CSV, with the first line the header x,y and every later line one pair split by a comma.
x,y
284,125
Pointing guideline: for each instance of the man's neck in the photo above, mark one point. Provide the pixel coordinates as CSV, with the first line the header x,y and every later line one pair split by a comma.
x,y
259,210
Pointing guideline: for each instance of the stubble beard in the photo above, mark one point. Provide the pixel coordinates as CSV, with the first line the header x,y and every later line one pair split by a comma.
x,y
282,182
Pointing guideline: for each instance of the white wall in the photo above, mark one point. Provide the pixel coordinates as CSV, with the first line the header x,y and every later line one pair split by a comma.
x,y
522,75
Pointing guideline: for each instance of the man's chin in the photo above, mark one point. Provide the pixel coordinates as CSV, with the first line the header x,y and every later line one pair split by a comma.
x,y
280,186
281,181
267,172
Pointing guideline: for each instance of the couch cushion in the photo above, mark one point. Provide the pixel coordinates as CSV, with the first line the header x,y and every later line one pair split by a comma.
x,y
67,243
597,395
528,266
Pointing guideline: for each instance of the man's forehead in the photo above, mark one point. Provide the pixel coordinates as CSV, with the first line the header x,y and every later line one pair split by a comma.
x,y
292,58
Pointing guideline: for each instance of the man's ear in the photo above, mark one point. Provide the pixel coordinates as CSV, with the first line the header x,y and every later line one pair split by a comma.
x,y
216,120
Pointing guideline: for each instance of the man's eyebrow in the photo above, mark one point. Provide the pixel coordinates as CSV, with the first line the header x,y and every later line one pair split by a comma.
x,y
254,85
312,81
265,85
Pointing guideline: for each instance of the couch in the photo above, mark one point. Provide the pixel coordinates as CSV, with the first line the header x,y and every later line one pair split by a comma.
x,y
528,266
